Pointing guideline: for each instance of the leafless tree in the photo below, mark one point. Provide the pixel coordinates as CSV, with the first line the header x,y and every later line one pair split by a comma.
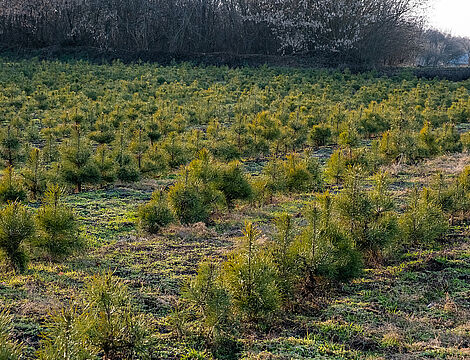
x,y
370,31
439,48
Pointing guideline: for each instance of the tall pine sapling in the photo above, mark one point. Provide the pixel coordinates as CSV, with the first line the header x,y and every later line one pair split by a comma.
x,y
251,278
34,174
127,169
423,222
11,186
58,231
78,166
283,253
211,301
16,227
10,143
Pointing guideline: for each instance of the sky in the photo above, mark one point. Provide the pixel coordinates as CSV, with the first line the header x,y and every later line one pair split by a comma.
x,y
451,16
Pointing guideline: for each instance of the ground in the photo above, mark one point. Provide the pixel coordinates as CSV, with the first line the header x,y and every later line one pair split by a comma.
x,y
414,306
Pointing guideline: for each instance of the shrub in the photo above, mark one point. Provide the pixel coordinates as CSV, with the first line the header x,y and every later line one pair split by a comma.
x,y
139,145
367,215
154,161
66,337
443,194
211,301
336,167
274,174
427,141
403,145
449,139
9,349
320,135
153,130
205,184
315,170
188,203
203,170
57,228
263,129
373,158
224,150
459,112
11,187
294,173
233,183
175,150
388,147
324,250
107,327
465,140
227,347
383,222
127,170
114,329
372,121
250,277
10,145
462,191
155,214
348,139
423,221
50,149
16,226
194,354
353,204
78,166
103,133
464,179
105,163
262,191
203,173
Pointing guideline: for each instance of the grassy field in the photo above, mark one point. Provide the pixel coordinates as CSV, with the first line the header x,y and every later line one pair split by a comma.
x,y
415,307
415,304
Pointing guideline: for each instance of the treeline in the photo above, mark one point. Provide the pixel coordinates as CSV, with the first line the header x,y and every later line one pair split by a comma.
x,y
372,31
441,49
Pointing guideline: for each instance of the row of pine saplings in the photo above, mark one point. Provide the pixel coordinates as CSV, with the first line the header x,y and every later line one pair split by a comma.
x,y
206,185
78,162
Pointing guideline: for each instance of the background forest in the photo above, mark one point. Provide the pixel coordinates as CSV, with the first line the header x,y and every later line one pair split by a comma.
x,y
373,32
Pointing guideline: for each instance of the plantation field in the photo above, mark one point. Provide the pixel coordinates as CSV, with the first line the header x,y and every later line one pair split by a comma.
x,y
331,211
